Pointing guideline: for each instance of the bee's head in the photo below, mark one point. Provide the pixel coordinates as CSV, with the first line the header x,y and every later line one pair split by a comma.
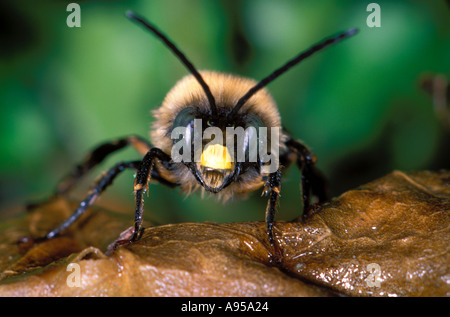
x,y
216,147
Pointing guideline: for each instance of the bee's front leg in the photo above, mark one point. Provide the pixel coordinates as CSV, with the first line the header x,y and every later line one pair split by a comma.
x,y
143,176
273,189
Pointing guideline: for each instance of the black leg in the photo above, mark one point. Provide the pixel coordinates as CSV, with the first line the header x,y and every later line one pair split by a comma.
x,y
100,185
313,182
272,188
143,177
97,156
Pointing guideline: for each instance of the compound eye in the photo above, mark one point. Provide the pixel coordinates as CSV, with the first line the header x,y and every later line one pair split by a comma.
x,y
185,121
251,140
184,117
254,121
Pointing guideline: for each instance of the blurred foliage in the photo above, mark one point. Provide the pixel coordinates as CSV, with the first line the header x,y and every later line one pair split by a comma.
x,y
358,104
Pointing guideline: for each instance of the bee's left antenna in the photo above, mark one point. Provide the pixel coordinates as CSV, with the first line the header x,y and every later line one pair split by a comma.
x,y
212,103
300,57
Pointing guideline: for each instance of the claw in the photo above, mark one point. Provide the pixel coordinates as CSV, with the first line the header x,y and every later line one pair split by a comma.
x,y
126,237
276,255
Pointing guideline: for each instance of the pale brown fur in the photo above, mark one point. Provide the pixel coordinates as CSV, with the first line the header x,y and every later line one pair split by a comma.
x,y
227,90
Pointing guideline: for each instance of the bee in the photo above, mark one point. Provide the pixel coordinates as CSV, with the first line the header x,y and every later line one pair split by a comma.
x,y
199,102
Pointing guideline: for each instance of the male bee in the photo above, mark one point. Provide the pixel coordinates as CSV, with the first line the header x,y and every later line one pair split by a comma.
x,y
199,102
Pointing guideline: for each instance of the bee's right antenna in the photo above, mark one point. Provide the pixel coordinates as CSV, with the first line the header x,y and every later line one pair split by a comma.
x,y
180,55
303,55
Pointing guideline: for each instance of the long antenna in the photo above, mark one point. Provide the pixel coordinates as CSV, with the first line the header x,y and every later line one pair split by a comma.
x,y
303,55
212,103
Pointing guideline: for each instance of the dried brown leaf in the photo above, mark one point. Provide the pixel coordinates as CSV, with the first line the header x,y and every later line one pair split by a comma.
x,y
400,223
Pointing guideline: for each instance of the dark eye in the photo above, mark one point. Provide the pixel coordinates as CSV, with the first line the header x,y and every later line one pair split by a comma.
x,y
184,117
253,121
251,141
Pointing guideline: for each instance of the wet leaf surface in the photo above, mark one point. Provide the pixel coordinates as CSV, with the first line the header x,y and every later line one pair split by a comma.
x,y
389,237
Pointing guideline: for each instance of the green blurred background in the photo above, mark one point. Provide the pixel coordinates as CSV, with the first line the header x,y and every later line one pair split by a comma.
x,y
358,105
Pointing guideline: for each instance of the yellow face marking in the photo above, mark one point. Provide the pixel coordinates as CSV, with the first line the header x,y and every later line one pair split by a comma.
x,y
217,157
